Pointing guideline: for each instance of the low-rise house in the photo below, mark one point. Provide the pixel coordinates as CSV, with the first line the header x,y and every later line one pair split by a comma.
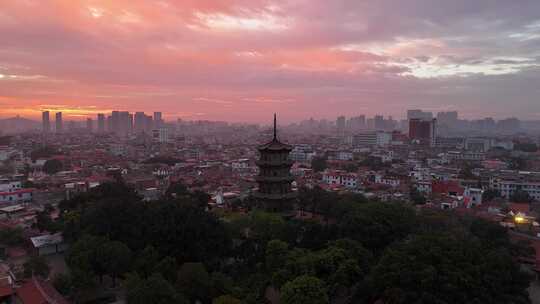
x,y
349,180
466,155
331,177
449,204
495,164
150,194
240,164
340,155
424,187
7,185
340,178
49,244
472,197
507,183
11,212
17,196
389,180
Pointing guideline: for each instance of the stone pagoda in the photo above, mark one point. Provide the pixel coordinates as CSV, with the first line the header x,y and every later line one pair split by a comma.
x,y
274,179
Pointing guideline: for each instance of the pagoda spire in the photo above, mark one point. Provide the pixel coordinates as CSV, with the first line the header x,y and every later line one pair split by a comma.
x,y
275,127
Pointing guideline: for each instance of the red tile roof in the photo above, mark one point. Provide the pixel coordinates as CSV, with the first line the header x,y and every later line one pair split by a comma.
x,y
445,187
5,291
17,192
35,291
519,207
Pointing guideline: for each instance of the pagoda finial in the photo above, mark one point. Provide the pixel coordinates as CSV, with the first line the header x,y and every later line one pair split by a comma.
x,y
275,127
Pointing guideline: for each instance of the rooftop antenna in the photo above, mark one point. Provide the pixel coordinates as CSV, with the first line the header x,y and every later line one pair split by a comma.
x,y
275,127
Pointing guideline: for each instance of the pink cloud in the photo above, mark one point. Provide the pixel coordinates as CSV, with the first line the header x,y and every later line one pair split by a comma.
x,y
303,58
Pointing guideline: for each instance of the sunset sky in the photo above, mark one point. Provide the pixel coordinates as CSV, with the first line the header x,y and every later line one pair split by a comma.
x,y
241,60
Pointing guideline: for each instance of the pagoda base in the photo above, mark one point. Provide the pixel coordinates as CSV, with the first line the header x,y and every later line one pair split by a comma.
x,y
276,202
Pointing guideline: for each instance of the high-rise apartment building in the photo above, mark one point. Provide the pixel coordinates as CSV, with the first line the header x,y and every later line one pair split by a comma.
x,y
371,138
46,122
140,122
379,122
89,125
108,124
370,123
419,114
158,120
115,122
124,123
340,124
121,123
101,123
148,124
59,123
509,125
361,121
423,131
449,119
131,125
160,135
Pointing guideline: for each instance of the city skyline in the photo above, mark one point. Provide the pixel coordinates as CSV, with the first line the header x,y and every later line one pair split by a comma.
x,y
239,60
421,126
377,118
265,151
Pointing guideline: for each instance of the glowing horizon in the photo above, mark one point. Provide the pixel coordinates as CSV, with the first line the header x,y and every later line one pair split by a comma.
x,y
239,60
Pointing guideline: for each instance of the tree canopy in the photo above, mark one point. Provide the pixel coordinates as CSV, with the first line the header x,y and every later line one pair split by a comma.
x,y
304,290
318,164
178,228
354,251
526,147
36,266
155,290
43,152
52,166
520,196
446,269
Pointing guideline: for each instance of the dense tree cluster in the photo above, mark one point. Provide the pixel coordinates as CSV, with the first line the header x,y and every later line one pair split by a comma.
x,y
518,163
356,251
466,171
36,266
526,147
445,269
374,163
11,236
490,195
52,166
318,163
43,152
114,233
417,197
5,140
520,196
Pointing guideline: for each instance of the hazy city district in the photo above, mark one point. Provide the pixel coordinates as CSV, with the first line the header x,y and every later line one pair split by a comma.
x,y
134,208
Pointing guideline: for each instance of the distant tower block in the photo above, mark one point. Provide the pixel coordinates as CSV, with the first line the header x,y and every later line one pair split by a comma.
x,y
275,177
46,122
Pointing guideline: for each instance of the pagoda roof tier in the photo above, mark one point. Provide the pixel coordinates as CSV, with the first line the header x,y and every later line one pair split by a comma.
x,y
277,197
275,145
280,163
274,179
